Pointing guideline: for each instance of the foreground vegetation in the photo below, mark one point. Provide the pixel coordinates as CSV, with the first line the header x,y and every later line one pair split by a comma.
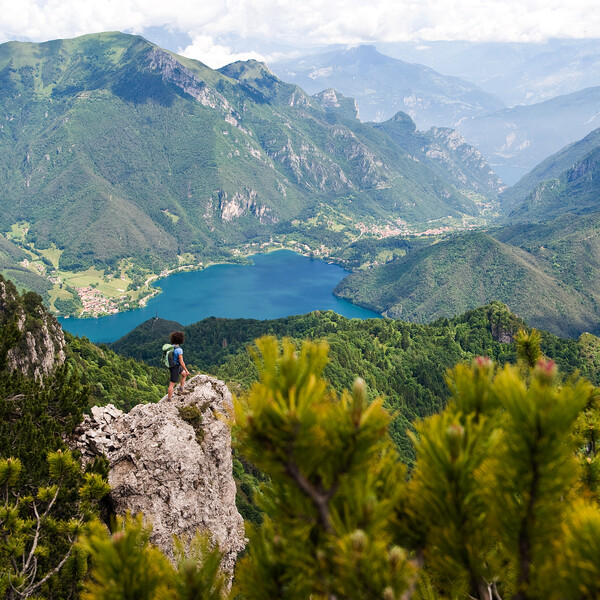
x,y
493,494
502,501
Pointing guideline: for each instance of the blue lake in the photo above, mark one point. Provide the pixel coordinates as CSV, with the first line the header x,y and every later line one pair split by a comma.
x,y
278,284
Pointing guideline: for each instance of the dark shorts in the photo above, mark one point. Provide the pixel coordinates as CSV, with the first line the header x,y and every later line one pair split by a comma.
x,y
175,373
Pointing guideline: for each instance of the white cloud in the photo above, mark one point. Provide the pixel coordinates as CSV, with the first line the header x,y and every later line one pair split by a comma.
x,y
206,50
212,25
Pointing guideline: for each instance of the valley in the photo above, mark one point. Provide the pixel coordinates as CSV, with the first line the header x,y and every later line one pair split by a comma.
x,y
97,292
112,187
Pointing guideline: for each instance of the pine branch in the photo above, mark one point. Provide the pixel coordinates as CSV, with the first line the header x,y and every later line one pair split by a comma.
x,y
28,591
319,498
39,519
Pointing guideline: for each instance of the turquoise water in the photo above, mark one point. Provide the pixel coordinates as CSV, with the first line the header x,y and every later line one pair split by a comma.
x,y
278,284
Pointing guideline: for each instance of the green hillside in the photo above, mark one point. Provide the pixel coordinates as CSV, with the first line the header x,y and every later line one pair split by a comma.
x,y
569,246
465,271
550,168
576,191
115,153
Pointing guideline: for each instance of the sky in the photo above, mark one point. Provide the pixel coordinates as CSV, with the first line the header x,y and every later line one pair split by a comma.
x,y
218,32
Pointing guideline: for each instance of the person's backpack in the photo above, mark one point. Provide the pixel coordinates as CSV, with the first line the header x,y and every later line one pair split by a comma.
x,y
167,355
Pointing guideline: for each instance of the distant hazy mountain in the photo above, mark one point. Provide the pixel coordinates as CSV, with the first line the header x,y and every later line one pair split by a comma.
x,y
514,140
550,168
383,86
111,147
518,73
445,152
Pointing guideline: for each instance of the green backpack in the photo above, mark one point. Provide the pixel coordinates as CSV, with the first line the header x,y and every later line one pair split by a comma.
x,y
167,355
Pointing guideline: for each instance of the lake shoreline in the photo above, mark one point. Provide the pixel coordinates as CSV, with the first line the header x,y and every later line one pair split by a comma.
x,y
268,285
187,268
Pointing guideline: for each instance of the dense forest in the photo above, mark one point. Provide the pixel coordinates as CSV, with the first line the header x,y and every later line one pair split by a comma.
x,y
405,363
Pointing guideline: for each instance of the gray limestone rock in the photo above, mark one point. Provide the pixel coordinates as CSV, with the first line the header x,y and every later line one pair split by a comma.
x,y
172,462
40,345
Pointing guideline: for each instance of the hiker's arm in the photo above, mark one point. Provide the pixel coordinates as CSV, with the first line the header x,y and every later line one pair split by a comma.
x,y
183,365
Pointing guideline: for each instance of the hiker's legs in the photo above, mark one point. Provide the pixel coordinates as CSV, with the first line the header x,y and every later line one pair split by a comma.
x,y
174,377
182,381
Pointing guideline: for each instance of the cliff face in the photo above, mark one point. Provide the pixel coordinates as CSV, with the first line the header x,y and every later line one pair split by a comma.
x,y
32,340
172,462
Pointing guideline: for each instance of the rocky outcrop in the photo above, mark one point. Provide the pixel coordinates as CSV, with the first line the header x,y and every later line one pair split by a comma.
x,y
332,100
242,203
172,462
172,71
32,340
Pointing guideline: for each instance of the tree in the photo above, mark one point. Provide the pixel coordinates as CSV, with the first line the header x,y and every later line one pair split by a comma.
x,y
36,539
125,565
335,480
496,478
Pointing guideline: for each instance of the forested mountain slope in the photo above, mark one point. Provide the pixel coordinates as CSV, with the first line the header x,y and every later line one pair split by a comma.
x,y
404,362
545,265
465,271
574,191
550,168
112,148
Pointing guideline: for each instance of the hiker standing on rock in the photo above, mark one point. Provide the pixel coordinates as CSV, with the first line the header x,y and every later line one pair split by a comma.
x,y
177,367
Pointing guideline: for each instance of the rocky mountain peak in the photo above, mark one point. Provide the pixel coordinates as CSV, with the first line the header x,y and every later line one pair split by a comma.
x,y
172,462
403,120
332,100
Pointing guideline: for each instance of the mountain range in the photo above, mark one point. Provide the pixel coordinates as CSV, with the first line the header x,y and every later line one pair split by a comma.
x,y
383,86
113,149
550,168
513,138
516,72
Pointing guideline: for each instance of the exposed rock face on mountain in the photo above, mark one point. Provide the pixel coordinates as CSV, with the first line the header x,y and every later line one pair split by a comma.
x,y
446,152
32,340
333,101
172,462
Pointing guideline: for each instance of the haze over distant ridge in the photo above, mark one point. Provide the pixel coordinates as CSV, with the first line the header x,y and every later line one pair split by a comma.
x,y
217,32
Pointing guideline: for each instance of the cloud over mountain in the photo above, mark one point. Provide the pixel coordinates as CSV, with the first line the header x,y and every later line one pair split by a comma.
x,y
230,29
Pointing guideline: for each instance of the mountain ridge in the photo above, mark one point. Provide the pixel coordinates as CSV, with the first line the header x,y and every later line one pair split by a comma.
x,y
124,157
428,96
